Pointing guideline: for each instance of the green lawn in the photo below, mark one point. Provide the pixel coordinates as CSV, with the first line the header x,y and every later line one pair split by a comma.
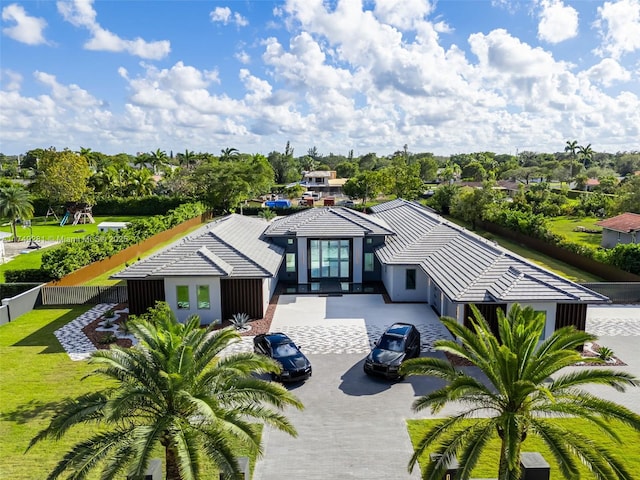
x,y
50,231
565,226
487,468
35,373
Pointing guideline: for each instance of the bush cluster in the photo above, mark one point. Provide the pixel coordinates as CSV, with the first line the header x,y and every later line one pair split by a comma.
x,y
624,257
33,275
151,205
66,258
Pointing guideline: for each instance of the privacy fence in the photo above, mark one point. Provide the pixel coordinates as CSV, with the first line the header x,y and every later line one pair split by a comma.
x,y
83,295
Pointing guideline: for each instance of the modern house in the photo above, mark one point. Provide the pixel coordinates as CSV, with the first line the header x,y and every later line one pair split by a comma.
x,y
323,181
234,264
623,228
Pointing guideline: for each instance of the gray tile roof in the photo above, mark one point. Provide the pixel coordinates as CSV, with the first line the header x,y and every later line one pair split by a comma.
x,y
328,222
467,267
229,247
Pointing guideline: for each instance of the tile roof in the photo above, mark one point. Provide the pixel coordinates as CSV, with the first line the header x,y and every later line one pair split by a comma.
x,y
467,267
230,247
625,223
328,222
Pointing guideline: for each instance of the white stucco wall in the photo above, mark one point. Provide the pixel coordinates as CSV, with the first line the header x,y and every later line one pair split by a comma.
x,y
268,288
393,277
206,315
549,308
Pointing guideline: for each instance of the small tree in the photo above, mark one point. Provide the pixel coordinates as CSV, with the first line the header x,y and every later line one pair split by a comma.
x,y
15,204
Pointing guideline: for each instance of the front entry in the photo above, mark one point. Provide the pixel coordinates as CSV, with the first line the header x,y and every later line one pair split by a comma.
x,y
329,259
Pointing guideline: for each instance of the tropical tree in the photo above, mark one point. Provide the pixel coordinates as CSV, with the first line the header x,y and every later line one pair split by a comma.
x,y
524,389
571,147
228,154
585,154
174,389
15,203
63,177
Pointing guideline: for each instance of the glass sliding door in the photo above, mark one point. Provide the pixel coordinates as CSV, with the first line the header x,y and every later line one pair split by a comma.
x,y
329,259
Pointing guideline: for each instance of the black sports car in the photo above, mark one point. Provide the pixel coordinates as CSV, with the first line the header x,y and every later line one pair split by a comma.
x,y
295,366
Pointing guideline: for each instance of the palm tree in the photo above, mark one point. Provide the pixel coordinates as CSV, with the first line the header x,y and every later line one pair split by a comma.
x,y
522,391
157,159
174,390
228,154
585,154
571,146
140,183
15,203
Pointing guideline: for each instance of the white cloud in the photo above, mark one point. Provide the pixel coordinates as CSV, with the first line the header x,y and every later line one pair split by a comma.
x,y
402,13
10,80
243,57
608,72
225,16
558,22
29,30
81,13
619,26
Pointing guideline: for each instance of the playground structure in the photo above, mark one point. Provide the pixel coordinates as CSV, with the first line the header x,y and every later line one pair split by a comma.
x,y
79,212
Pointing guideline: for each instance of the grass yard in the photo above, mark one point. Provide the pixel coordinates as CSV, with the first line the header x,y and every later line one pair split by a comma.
x,y
488,467
35,374
565,226
49,231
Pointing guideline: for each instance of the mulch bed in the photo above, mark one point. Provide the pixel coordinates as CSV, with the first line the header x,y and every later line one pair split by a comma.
x,y
96,336
258,326
590,351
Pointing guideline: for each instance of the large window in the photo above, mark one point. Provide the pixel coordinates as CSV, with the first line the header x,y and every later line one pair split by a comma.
x,y
291,262
182,292
329,258
368,262
410,279
204,302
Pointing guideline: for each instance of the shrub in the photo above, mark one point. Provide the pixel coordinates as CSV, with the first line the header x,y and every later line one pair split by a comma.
x,y
35,275
71,256
240,320
108,338
605,354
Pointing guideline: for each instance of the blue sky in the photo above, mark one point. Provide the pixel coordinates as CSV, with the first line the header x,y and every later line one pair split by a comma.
x,y
368,76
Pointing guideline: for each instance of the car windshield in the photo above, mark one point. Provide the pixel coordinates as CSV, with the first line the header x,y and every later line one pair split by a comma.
x,y
392,343
284,350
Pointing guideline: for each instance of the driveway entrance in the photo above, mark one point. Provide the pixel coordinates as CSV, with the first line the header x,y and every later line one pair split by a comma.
x,y
350,323
353,426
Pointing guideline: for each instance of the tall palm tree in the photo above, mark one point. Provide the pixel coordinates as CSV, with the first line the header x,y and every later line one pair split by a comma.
x,y
522,392
15,203
585,154
228,154
157,159
174,390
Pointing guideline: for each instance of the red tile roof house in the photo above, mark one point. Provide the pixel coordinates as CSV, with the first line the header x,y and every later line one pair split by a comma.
x,y
234,264
621,229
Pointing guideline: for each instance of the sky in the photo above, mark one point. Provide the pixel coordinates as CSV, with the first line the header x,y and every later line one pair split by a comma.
x,y
452,76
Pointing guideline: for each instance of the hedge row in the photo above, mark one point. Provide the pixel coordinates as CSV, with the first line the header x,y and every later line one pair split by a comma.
x,y
151,205
625,257
68,257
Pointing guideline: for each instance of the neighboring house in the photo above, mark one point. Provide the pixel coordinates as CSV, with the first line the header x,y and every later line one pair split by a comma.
x,y
623,228
324,181
591,184
233,265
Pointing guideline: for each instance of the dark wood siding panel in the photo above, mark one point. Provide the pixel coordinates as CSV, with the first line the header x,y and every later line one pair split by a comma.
x,y
488,311
571,314
144,294
241,296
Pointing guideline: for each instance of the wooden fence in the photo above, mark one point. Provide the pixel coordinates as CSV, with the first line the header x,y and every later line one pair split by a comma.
x,y
81,295
133,252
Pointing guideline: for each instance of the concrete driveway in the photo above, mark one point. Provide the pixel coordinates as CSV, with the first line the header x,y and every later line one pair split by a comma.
x,y
353,426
